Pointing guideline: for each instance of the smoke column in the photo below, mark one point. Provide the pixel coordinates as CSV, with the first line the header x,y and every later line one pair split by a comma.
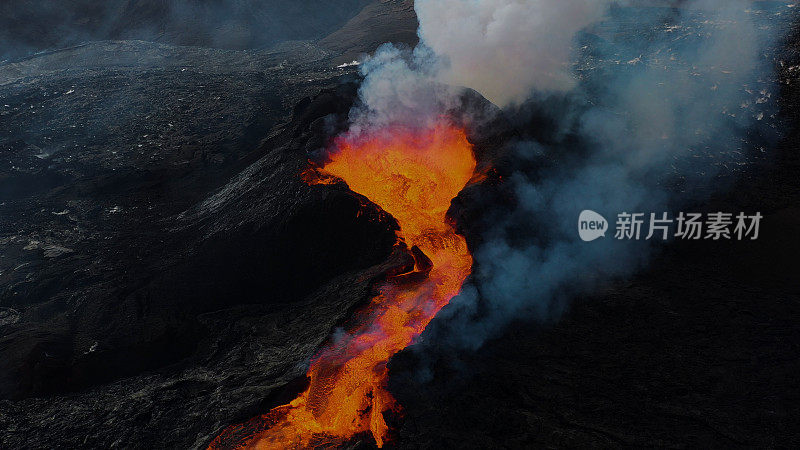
x,y
657,108
505,48
676,107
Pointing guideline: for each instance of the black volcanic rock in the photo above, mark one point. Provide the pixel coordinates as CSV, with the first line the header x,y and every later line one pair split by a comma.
x,y
189,259
99,243
158,241
165,273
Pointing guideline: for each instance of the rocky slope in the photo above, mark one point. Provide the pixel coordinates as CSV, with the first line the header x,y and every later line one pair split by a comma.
x,y
115,273
164,272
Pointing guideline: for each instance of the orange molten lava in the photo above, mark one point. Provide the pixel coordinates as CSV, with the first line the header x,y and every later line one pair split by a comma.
x,y
413,175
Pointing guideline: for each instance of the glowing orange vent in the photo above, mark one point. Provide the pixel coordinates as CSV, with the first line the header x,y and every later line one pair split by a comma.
x,y
413,175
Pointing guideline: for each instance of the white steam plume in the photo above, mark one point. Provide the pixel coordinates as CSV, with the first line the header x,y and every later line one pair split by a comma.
x,y
676,106
505,48
667,94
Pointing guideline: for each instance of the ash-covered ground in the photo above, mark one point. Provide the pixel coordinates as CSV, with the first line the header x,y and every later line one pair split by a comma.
x,y
164,271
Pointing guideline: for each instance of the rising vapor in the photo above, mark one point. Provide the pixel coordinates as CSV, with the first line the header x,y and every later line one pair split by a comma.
x,y
674,113
505,48
675,108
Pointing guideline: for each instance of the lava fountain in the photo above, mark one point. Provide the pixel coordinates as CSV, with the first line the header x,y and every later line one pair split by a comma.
x,y
413,175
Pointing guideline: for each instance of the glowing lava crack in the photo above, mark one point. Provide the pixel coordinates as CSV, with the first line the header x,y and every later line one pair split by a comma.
x,y
413,175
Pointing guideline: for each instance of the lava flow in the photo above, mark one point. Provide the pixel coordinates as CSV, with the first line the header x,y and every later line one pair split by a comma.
x,y
413,175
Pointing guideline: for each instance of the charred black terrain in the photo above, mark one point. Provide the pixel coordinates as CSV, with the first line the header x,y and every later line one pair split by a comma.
x,y
136,237
165,272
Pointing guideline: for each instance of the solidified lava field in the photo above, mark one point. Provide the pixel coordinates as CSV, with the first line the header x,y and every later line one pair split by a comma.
x,y
167,272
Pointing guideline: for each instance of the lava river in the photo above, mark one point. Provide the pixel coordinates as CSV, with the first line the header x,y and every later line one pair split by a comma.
x,y
413,175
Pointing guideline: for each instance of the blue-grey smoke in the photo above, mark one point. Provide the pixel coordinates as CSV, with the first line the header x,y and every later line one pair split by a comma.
x,y
666,108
